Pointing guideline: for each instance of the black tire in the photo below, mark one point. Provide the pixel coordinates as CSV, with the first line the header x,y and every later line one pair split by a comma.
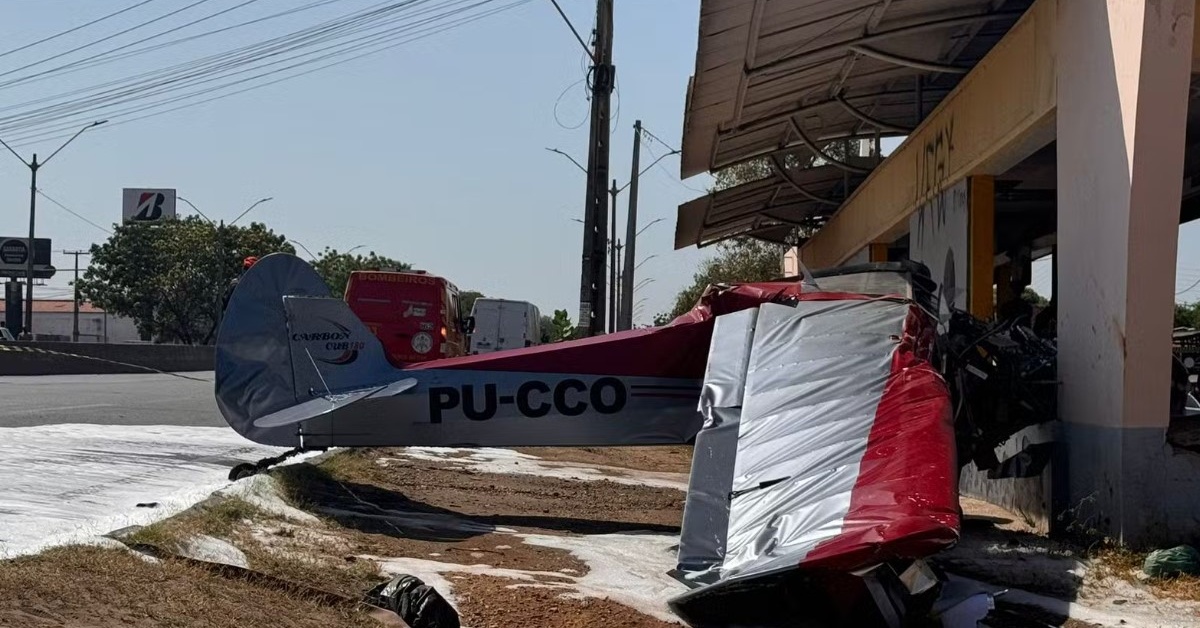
x,y
243,470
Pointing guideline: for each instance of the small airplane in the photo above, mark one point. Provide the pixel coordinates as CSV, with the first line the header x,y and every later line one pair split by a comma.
x,y
824,437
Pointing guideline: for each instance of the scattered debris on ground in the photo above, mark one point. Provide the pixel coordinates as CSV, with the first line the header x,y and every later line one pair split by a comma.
x,y
1096,585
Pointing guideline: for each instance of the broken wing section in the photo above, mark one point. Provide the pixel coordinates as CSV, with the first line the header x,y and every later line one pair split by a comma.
x,y
706,510
845,451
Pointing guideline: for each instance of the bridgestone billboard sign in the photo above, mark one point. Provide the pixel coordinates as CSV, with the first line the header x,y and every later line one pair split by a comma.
x,y
14,253
146,205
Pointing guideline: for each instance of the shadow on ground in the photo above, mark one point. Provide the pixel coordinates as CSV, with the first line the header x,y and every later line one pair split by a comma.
x,y
380,510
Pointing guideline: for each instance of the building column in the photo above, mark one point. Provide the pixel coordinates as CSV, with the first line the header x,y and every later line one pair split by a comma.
x,y
1123,71
981,237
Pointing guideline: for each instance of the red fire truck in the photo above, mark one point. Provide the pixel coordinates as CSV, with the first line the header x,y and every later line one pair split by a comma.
x,y
414,314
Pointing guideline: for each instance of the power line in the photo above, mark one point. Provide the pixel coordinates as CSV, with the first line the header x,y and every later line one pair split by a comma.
x,y
659,140
104,39
1189,288
558,101
115,54
410,32
662,170
181,74
72,212
73,29
45,134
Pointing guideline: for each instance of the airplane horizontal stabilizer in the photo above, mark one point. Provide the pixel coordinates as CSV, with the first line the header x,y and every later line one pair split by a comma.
x,y
328,403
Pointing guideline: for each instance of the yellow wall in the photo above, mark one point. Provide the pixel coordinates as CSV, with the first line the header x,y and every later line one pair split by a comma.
x,y
1000,113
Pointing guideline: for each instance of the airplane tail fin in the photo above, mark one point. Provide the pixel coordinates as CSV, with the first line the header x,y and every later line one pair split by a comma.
x,y
285,342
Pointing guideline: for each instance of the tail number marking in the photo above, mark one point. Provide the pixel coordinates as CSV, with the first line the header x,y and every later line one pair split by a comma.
x,y
534,399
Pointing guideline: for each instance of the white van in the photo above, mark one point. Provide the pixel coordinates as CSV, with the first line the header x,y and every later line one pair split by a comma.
x,y
500,324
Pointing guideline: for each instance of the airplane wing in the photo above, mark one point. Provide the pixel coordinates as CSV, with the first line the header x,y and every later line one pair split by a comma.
x,y
828,445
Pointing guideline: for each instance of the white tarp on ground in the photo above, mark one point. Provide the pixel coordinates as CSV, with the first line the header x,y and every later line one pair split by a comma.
x,y
62,483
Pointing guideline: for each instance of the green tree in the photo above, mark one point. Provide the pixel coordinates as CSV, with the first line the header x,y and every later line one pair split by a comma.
x,y
737,261
1187,315
335,267
547,326
467,299
1031,296
561,327
170,277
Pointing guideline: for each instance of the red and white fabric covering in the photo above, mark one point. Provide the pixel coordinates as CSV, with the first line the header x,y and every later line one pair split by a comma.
x,y
828,443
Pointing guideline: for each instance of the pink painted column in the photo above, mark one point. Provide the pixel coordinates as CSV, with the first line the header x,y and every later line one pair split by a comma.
x,y
1123,71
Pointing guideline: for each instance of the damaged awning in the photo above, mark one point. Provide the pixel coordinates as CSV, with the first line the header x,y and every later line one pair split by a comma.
x,y
792,76
768,209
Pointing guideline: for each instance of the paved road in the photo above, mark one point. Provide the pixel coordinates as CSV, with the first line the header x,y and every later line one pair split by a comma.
x,y
149,399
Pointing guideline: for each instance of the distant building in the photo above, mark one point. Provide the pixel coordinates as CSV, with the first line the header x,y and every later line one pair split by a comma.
x,y
52,321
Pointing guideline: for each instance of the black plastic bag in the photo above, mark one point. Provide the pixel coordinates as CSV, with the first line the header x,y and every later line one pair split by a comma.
x,y
417,603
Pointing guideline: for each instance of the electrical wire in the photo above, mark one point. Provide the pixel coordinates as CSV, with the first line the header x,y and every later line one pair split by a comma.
x,y
73,29
47,135
120,52
210,16
658,139
72,212
617,94
209,90
197,68
1189,288
558,101
663,170
217,64
115,54
104,39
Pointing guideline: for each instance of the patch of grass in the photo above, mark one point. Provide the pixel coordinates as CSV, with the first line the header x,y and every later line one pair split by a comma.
x,y
1119,562
351,578
219,518
216,517
105,588
162,534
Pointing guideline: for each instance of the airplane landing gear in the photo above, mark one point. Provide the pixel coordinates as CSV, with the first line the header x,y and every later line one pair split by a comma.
x,y
247,469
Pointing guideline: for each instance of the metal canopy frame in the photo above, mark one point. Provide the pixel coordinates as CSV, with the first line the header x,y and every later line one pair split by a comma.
x,y
769,209
779,74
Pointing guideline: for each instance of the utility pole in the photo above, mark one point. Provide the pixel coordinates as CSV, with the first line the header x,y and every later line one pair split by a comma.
x,y
631,233
613,275
592,284
75,284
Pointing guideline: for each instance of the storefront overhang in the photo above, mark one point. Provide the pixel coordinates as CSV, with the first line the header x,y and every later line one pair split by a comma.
x,y
769,209
793,76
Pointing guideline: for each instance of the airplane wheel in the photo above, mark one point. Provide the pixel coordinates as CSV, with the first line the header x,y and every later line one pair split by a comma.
x,y
243,470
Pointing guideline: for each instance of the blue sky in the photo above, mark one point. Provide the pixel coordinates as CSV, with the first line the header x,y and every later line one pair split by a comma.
x,y
432,152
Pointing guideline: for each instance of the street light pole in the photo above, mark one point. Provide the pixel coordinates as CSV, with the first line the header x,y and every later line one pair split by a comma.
x,y
34,166
247,211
